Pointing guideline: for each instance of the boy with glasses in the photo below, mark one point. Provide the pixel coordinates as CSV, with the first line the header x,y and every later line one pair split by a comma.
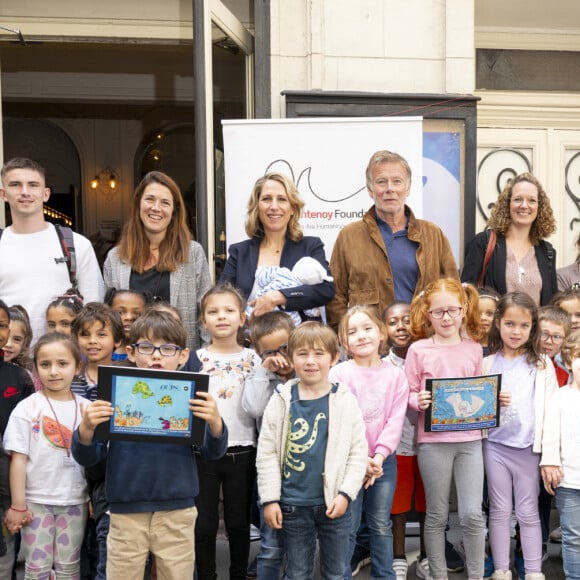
x,y
554,327
151,487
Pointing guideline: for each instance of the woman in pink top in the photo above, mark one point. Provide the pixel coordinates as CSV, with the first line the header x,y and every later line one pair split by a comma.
x,y
445,319
382,394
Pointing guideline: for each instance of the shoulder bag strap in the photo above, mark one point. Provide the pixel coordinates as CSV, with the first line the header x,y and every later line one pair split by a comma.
x,y
488,252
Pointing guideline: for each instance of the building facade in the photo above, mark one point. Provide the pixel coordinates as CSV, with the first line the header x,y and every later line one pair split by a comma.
x,y
107,88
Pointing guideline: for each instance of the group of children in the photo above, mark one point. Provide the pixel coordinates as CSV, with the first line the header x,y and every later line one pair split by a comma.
x,y
445,321
341,445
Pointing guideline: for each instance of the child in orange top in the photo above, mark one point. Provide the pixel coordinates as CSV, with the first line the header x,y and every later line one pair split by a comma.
x,y
397,318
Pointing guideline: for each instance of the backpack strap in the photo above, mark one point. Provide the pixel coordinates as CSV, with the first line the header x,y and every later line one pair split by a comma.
x,y
67,244
66,239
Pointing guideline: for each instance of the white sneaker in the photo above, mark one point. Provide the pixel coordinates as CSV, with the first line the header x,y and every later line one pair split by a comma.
x,y
400,568
422,570
502,575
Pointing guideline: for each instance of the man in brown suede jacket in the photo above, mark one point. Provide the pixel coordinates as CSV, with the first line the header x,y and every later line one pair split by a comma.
x,y
389,254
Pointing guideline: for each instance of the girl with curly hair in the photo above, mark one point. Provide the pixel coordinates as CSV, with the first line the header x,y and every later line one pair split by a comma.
x,y
522,259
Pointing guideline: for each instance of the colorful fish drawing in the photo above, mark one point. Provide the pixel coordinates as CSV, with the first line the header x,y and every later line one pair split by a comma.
x,y
165,400
165,424
142,388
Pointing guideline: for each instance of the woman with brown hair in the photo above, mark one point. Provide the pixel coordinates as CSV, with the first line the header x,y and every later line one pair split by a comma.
x,y
156,254
276,242
521,260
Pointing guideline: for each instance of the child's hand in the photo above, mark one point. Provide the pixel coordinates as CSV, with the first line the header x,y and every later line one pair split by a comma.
x,y
423,399
279,365
15,521
505,398
92,415
337,508
551,476
273,515
204,407
374,470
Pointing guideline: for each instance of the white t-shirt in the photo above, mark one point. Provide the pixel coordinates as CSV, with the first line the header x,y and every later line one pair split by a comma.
x,y
30,276
53,477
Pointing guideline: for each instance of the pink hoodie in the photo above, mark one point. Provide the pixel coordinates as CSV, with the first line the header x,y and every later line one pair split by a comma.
x,y
382,394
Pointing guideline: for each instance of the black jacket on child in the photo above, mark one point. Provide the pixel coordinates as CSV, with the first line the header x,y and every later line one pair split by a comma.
x,y
15,385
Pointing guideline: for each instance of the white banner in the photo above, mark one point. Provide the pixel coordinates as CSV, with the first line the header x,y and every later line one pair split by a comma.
x,y
326,158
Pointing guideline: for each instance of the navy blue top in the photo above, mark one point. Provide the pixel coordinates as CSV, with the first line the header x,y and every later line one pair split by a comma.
x,y
240,270
149,477
402,253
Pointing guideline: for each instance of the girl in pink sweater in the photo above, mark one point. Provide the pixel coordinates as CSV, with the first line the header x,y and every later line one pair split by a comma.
x,y
382,394
445,320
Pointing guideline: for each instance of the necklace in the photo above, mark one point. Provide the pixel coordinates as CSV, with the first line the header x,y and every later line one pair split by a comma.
x,y
157,298
66,444
271,247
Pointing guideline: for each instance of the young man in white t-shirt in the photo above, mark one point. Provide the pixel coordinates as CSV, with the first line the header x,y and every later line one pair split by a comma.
x,y
32,271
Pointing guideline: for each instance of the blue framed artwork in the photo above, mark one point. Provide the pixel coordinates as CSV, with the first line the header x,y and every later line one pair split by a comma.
x,y
461,404
151,405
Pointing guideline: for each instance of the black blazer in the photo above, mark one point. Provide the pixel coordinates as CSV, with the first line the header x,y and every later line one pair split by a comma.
x,y
240,270
495,273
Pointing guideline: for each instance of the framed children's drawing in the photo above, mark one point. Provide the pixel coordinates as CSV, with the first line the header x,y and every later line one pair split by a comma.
x,y
151,405
461,404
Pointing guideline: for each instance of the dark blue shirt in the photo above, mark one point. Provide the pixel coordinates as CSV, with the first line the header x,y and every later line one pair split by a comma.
x,y
302,481
402,254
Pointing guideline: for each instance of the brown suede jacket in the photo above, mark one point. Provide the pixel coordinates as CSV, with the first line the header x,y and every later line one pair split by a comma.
x,y
362,271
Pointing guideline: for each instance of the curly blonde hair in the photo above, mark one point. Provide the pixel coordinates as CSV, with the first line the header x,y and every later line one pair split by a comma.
x,y
500,220
254,227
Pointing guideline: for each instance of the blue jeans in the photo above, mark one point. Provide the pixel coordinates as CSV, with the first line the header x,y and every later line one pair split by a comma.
x,y
568,503
300,528
271,550
376,503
